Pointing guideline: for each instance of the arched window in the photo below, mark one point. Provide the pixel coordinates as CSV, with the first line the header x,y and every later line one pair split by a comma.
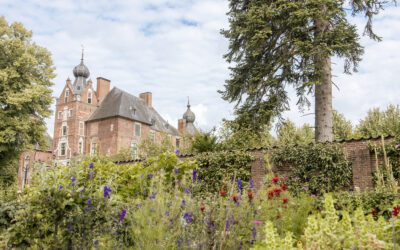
x,y
26,171
89,97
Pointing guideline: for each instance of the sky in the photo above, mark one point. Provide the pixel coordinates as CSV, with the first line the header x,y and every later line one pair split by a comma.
x,y
174,49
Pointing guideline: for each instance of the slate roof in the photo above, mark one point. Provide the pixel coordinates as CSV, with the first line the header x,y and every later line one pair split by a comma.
x,y
122,104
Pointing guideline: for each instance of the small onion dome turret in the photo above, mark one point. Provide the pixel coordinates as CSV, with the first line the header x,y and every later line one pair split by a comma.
x,y
189,116
81,70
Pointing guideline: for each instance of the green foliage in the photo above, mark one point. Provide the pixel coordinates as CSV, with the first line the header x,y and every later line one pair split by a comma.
x,y
342,128
289,134
70,210
26,71
204,142
217,169
333,229
316,168
234,136
276,43
380,122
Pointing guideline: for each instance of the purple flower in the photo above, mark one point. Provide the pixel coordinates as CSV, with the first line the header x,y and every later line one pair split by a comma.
x,y
177,152
73,181
240,185
188,217
187,190
254,233
194,175
227,225
183,203
70,227
251,183
150,176
122,215
179,242
60,187
82,190
153,196
96,242
107,191
176,170
91,175
167,213
89,202
91,165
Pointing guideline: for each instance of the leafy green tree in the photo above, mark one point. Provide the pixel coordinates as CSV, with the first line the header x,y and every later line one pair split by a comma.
x,y
380,122
233,136
26,71
288,133
342,128
276,43
204,142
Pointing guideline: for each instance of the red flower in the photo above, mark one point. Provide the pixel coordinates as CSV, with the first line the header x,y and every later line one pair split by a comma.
x,y
235,198
222,193
396,211
277,191
250,195
284,187
285,200
275,179
270,195
202,207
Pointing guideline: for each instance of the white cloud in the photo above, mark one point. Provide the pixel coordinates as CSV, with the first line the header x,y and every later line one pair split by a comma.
x,y
173,48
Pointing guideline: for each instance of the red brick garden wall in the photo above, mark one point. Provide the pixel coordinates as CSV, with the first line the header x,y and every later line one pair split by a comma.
x,y
362,159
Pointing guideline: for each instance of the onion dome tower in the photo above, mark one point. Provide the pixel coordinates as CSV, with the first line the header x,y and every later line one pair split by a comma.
x,y
189,117
81,73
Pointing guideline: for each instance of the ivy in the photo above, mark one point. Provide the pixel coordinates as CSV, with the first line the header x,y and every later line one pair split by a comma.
x,y
315,168
218,168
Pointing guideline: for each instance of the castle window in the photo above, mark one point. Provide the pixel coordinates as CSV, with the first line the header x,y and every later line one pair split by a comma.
x,y
152,136
89,97
70,112
62,148
26,171
177,142
112,127
134,150
93,150
138,129
81,128
66,96
59,114
80,146
64,130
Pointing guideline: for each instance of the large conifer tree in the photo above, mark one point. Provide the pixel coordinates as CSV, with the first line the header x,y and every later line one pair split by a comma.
x,y
277,43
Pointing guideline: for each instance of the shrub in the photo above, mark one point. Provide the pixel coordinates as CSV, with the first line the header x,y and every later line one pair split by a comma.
x,y
219,168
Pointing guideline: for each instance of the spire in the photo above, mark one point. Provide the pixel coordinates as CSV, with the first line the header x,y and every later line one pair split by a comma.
x,y
83,49
188,105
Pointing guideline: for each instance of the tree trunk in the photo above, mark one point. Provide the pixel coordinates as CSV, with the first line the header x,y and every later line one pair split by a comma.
x,y
323,90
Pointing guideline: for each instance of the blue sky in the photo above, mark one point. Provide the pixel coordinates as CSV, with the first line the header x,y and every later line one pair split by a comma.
x,y
173,48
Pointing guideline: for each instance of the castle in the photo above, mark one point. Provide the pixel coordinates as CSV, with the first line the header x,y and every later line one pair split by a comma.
x,y
101,121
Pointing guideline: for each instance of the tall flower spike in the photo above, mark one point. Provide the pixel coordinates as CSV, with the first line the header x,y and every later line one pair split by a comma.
x,y
194,175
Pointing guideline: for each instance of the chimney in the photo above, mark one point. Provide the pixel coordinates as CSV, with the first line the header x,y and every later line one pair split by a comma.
x,y
147,98
68,81
103,87
181,126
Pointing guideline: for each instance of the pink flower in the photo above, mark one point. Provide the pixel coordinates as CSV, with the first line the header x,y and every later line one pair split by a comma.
x,y
257,222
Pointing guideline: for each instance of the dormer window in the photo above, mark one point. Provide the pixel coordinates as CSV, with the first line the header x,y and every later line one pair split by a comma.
x,y
66,96
89,97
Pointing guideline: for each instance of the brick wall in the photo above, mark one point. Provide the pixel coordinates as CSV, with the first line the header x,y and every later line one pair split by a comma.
x,y
357,152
